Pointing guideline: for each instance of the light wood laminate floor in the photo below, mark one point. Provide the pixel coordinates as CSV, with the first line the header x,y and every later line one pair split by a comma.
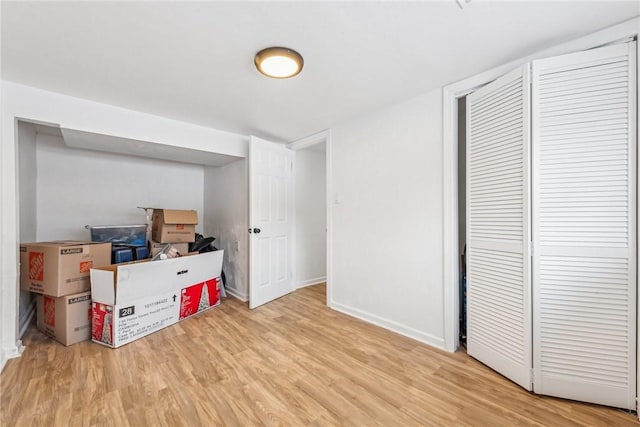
x,y
291,362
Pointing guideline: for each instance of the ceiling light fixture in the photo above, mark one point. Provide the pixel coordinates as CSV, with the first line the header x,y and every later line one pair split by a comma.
x,y
279,62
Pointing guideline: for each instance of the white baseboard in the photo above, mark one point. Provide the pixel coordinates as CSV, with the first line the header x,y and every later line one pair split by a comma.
x,y
11,352
242,297
27,318
311,282
391,325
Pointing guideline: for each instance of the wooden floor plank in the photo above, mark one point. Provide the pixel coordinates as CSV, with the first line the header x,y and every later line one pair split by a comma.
x,y
292,362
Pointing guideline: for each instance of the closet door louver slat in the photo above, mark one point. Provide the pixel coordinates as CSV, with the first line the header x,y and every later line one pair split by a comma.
x,y
498,233
584,226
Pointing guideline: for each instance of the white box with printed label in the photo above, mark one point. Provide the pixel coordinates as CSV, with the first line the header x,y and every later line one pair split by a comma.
x,y
133,300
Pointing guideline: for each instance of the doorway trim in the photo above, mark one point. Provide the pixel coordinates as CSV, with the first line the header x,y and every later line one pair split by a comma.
x,y
306,142
450,95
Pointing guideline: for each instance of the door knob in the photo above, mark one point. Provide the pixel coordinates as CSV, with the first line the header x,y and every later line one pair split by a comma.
x,y
256,230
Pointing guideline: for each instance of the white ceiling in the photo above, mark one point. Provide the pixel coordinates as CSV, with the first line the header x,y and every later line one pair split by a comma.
x,y
194,61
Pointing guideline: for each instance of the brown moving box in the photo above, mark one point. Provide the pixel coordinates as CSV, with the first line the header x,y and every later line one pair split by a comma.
x,y
65,319
60,268
156,247
174,226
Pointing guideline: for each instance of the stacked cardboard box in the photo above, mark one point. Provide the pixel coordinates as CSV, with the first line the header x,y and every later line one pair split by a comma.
x,y
173,226
58,272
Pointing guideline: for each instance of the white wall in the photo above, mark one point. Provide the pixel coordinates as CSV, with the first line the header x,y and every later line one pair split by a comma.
x,y
310,217
226,198
387,218
388,204
27,181
80,187
28,206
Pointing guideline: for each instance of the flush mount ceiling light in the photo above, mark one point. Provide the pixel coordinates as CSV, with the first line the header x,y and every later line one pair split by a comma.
x,y
279,62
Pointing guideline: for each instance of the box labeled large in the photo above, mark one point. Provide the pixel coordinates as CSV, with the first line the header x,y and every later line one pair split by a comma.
x,y
66,319
60,268
173,225
131,301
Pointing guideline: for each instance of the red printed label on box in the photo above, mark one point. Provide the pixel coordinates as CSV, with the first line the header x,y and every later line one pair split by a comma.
x,y
36,265
102,323
179,226
50,311
85,266
199,297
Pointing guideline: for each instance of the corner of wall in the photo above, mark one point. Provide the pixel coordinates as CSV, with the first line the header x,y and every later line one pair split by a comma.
x,y
10,352
238,295
226,208
311,282
26,317
391,325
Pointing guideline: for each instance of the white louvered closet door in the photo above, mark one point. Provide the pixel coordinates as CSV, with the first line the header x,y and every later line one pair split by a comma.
x,y
498,232
584,226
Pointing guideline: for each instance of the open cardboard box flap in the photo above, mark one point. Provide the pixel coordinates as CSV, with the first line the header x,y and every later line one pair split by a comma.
x,y
131,301
174,216
120,283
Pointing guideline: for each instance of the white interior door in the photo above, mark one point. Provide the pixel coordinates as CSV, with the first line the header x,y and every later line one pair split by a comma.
x,y
270,221
498,231
584,220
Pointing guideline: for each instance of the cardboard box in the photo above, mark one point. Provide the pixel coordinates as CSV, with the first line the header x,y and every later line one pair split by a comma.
x,y
156,247
60,268
173,226
131,301
66,319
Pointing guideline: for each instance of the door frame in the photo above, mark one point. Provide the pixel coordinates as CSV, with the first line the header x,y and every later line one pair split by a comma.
x,y
306,142
450,95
